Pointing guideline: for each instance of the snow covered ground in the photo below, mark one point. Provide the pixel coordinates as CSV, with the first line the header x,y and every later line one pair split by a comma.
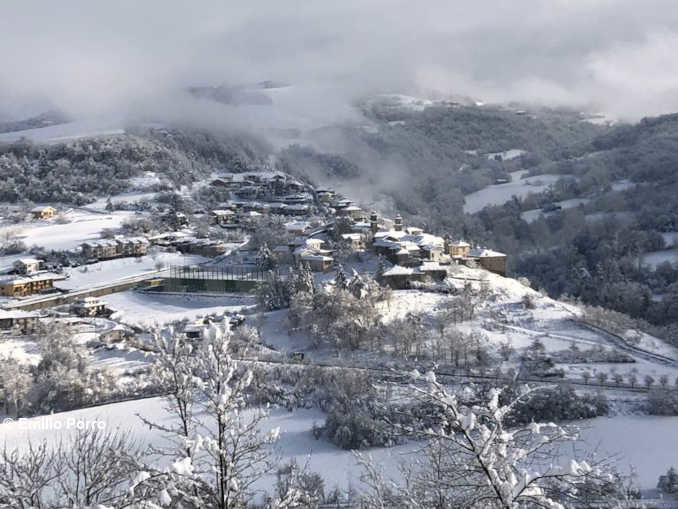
x,y
498,194
296,441
77,129
506,155
112,270
22,349
647,444
82,226
138,308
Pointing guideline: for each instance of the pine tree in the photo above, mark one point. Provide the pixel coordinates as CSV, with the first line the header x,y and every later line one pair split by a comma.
x,y
381,269
340,281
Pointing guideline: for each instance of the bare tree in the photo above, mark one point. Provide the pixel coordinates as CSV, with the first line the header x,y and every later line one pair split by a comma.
x,y
219,448
96,466
25,479
92,467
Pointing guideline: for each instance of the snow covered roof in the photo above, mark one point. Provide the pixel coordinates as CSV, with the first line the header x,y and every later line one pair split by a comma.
x,y
351,236
314,242
27,261
297,226
47,276
310,257
100,243
16,313
397,270
394,234
42,208
461,243
361,226
485,253
136,240
222,212
431,267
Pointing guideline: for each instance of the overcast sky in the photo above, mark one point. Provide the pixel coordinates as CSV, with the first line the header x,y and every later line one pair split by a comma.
x,y
89,56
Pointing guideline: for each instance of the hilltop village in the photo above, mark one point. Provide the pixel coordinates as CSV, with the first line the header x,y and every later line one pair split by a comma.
x,y
315,224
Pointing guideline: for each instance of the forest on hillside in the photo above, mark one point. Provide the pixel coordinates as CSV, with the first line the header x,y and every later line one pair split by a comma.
x,y
81,170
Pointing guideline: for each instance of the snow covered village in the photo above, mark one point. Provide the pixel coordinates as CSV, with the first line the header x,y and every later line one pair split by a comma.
x,y
329,313
338,255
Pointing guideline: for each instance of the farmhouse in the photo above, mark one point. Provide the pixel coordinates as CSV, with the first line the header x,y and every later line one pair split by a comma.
x,y
27,266
45,212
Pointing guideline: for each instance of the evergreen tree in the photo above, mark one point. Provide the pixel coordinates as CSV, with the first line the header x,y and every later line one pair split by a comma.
x,y
381,268
340,280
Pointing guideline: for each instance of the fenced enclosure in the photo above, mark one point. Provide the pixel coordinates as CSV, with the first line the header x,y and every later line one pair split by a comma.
x,y
198,278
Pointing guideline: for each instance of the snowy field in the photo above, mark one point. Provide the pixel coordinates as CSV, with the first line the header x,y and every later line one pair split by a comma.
x,y
138,308
646,444
112,270
498,194
336,466
82,226
506,155
69,130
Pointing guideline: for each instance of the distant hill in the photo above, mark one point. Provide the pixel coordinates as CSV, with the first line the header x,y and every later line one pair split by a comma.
x,y
232,95
45,119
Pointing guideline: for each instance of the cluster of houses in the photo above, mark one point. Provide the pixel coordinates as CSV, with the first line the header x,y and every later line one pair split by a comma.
x,y
414,254
256,194
189,244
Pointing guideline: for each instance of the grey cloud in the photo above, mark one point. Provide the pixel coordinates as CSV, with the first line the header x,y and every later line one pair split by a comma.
x,y
99,57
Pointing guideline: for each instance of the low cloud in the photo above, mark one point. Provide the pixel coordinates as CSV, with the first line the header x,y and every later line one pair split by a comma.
x,y
93,57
